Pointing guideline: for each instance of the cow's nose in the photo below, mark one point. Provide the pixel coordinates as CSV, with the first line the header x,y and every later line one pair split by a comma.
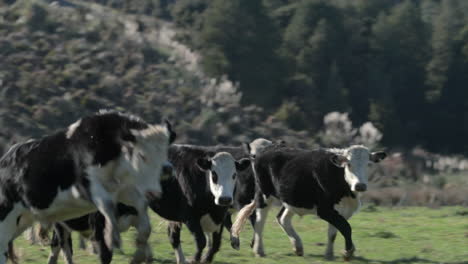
x,y
361,187
225,201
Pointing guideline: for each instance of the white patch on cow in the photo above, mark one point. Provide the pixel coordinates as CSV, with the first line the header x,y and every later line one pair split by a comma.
x,y
147,157
299,210
223,164
258,145
64,206
72,128
348,206
356,168
285,222
75,192
208,225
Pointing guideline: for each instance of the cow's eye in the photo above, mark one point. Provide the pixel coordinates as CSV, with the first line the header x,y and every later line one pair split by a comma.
x,y
142,157
214,176
234,176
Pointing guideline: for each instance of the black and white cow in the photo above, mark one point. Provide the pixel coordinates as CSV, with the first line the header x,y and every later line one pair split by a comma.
x,y
98,160
325,182
198,195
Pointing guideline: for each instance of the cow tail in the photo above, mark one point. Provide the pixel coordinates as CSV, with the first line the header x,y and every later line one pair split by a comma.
x,y
11,253
242,217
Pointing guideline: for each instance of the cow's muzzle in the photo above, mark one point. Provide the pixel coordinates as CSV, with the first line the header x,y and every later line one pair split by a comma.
x,y
360,187
225,201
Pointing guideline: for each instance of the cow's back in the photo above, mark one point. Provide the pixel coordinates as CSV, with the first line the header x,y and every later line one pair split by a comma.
x,y
38,169
301,178
310,179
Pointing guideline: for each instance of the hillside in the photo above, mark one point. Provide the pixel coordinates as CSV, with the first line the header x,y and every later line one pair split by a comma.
x,y
65,59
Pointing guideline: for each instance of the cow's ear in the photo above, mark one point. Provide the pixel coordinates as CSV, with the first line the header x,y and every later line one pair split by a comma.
x,y
242,164
246,147
339,160
172,134
377,156
204,163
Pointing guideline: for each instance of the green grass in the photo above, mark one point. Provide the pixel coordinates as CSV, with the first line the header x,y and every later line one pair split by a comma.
x,y
402,235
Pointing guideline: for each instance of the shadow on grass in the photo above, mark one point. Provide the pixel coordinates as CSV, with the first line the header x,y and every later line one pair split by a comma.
x,y
395,261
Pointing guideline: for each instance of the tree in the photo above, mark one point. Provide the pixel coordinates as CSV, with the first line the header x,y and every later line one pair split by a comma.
x,y
400,51
239,39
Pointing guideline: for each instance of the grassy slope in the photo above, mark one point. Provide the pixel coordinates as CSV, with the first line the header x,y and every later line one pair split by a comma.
x,y
404,235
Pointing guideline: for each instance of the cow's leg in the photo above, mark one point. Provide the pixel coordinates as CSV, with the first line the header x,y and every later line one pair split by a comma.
x,y
30,235
67,247
253,219
82,244
214,245
284,220
55,245
106,206
235,243
173,231
200,239
261,216
339,222
9,218
329,254
143,251
105,252
132,197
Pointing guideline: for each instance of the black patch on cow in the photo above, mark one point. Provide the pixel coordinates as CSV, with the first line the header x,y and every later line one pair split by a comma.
x,y
301,178
104,132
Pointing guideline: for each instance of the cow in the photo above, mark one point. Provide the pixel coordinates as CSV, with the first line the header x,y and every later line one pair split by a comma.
x,y
198,195
327,182
102,158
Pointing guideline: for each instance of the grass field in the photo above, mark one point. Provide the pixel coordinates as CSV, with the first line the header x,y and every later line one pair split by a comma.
x,y
381,235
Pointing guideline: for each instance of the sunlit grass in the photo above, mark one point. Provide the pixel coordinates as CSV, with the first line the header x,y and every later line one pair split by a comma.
x,y
402,235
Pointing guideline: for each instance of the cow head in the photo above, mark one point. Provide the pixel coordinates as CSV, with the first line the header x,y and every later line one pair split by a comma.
x,y
145,152
355,160
257,146
222,170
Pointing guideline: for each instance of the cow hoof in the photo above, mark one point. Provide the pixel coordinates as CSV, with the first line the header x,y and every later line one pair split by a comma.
x,y
299,251
348,254
193,261
329,256
260,254
235,243
205,261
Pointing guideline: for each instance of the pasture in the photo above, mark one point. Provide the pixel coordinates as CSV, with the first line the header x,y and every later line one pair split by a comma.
x,y
382,235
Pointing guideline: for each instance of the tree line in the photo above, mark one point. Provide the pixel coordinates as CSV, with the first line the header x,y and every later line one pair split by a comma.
x,y
401,64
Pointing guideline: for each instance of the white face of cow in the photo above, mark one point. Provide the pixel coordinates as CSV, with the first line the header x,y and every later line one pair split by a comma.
x,y
222,172
355,160
258,145
147,158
